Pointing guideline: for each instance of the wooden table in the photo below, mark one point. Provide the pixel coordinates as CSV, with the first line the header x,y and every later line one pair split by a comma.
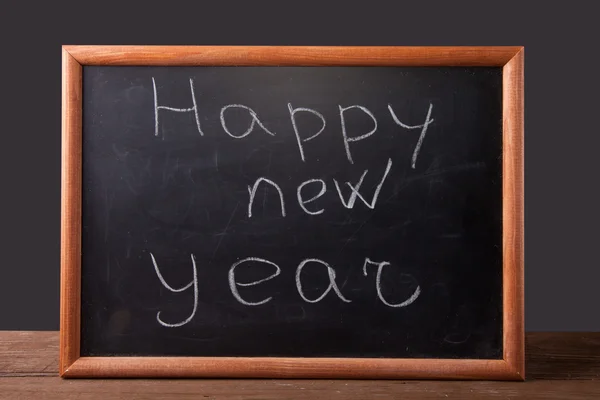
x,y
559,366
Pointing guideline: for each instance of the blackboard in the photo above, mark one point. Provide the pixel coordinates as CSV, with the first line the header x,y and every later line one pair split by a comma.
x,y
158,196
350,212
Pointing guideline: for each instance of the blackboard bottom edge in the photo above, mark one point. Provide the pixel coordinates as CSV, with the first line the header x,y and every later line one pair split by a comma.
x,y
292,368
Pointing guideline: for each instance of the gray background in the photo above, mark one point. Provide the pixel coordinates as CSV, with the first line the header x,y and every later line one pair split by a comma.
x,y
562,135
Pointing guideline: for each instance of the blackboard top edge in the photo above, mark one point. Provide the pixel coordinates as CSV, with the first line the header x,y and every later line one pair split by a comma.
x,y
158,55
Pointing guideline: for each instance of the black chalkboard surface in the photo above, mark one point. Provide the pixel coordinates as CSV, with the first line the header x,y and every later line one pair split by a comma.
x,y
292,212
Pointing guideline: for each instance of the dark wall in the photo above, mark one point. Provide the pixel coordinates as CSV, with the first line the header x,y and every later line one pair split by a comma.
x,y
562,201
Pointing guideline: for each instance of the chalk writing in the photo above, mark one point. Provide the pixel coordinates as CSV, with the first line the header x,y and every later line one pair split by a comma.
x,y
428,121
380,266
348,139
255,120
193,109
293,112
330,274
303,202
233,284
355,189
307,194
252,193
348,136
193,283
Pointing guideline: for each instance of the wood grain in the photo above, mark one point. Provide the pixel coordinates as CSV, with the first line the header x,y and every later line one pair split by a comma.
x,y
572,355
279,367
70,241
28,354
292,55
512,365
559,365
512,214
211,389
549,356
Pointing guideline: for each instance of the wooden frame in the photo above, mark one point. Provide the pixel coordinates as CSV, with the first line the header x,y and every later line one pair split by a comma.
x,y
510,367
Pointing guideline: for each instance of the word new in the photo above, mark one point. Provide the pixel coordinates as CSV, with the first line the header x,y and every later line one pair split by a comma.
x,y
301,139
234,284
349,203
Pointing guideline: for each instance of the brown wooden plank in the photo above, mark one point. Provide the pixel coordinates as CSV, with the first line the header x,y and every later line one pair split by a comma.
x,y
279,367
512,214
294,55
56,388
560,366
572,355
70,241
28,354
548,355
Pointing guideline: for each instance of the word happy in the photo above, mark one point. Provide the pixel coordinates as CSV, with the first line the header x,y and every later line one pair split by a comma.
x,y
301,138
